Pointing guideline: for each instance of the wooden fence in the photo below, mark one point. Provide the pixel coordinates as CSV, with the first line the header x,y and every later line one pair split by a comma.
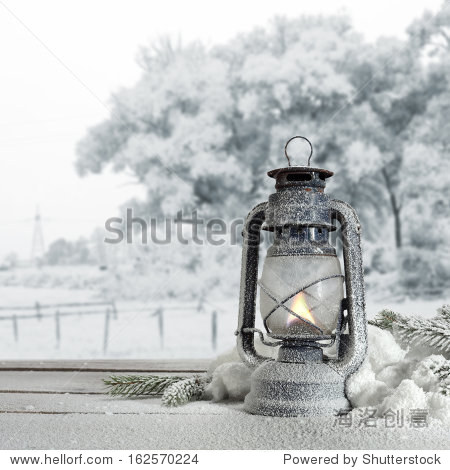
x,y
106,308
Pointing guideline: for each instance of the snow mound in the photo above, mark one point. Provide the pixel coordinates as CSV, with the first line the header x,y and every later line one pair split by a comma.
x,y
229,356
407,396
230,381
393,375
439,406
363,389
388,380
424,377
391,379
383,350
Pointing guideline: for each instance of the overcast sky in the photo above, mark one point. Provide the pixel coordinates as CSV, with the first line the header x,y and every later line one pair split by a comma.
x,y
59,63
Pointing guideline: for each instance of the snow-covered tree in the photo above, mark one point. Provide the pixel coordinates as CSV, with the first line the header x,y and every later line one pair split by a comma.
x,y
202,126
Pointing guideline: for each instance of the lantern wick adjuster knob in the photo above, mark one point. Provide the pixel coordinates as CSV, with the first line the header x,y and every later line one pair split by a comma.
x,y
298,137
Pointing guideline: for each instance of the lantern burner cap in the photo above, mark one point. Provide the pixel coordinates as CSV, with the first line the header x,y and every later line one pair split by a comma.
x,y
306,170
303,176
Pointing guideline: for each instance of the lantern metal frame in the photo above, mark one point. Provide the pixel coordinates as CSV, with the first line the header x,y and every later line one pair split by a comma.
x,y
302,381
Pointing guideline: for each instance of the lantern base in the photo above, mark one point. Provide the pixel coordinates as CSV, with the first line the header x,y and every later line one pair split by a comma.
x,y
296,389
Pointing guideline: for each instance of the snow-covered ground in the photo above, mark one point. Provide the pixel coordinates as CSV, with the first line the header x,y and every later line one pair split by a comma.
x,y
99,422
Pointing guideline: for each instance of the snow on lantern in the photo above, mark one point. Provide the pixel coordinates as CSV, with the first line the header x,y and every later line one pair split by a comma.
x,y
310,310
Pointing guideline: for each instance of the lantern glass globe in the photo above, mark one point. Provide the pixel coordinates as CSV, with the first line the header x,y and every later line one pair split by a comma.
x,y
318,306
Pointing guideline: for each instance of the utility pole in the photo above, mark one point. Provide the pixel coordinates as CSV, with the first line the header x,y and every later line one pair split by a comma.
x,y
37,246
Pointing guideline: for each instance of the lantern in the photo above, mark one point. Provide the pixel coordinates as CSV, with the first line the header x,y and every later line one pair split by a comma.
x,y
311,310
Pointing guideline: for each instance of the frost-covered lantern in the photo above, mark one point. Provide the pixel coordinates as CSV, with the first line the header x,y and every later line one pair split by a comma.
x,y
311,310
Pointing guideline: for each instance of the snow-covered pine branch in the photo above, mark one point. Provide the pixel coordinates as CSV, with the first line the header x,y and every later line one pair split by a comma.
x,y
433,332
185,391
138,385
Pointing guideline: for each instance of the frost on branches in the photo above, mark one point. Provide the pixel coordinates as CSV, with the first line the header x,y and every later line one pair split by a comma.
x,y
184,391
433,374
202,125
433,333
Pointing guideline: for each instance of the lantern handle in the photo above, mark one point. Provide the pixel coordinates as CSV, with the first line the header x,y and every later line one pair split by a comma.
x,y
290,140
249,282
356,348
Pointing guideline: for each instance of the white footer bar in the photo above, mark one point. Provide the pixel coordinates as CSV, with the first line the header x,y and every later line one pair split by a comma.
x,y
225,459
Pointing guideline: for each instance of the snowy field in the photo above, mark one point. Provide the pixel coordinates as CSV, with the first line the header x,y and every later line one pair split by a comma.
x,y
135,332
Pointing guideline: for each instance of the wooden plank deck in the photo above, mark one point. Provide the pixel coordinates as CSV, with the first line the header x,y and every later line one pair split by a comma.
x,y
122,365
62,405
83,377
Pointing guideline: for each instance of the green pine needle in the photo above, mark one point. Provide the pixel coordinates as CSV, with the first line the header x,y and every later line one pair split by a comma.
x,y
138,385
384,319
433,332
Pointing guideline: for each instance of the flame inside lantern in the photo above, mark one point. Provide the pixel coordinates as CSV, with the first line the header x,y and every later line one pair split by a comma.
x,y
300,307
